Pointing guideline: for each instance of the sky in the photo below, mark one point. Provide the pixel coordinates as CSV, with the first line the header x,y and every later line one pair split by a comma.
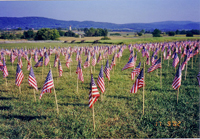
x,y
113,11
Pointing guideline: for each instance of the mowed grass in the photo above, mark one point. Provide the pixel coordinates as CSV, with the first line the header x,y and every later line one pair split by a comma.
x,y
118,114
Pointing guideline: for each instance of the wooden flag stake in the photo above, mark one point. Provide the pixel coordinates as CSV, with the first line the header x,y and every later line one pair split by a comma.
x,y
70,68
55,93
6,81
185,71
77,83
161,72
93,116
20,89
143,87
42,65
177,95
192,62
34,94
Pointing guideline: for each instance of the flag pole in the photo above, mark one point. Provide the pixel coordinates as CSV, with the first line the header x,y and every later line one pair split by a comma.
x,y
185,71
177,95
55,93
20,90
34,94
92,106
77,83
143,88
192,62
161,72
42,65
6,81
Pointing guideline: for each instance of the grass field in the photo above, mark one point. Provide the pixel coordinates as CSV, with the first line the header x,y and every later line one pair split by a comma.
x,y
118,114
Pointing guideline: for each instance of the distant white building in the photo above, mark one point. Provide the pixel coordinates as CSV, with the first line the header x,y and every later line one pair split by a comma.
x,y
70,28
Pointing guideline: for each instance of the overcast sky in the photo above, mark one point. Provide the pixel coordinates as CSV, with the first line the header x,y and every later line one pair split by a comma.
x,y
114,11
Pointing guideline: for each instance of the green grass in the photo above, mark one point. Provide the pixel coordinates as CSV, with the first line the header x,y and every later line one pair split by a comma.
x,y
119,115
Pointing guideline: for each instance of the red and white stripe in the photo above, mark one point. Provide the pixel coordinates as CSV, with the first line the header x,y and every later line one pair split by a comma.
x,y
32,82
19,78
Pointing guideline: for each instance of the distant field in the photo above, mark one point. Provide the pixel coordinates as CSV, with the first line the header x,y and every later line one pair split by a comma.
x,y
117,115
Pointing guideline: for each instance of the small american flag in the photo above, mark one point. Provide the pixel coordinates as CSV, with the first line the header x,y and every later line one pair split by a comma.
x,y
79,72
130,64
46,61
5,71
176,60
135,71
1,66
138,83
29,64
87,63
198,78
196,51
94,93
113,61
68,60
107,70
184,63
39,63
20,61
31,79
155,66
56,61
99,58
36,57
60,68
177,80
19,76
48,84
94,60
100,80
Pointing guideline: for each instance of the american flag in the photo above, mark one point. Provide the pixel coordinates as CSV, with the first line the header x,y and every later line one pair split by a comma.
x,y
100,80
60,68
138,83
135,56
131,55
135,71
19,76
168,54
94,93
198,78
176,60
56,61
77,56
164,54
155,66
46,61
68,60
184,63
130,64
107,70
12,58
36,57
20,62
31,79
39,63
148,61
196,51
29,64
177,80
99,58
48,84
1,66
79,72
154,60
113,61
87,63
94,60
5,71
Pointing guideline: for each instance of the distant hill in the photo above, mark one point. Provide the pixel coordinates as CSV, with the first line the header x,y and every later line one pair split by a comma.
x,y
41,22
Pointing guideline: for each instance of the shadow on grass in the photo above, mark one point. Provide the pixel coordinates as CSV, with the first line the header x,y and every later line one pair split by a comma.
x,y
73,104
7,98
23,118
5,107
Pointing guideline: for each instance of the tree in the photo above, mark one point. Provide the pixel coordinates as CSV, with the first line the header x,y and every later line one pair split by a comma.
x,y
29,34
189,34
177,32
171,33
139,33
156,33
47,34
